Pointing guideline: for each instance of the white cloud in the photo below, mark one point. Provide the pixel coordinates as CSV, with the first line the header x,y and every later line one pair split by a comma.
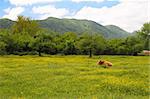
x,y
78,1
30,2
12,13
129,14
49,11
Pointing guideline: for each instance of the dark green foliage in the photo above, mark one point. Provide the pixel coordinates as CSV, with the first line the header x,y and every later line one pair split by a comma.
x,y
26,37
69,39
43,42
144,34
91,43
128,46
2,48
3,39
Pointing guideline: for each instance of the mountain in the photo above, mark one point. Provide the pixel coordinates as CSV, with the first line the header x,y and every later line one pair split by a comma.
x,y
6,23
74,25
115,30
81,26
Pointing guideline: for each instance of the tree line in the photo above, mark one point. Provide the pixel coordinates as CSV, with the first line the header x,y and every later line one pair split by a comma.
x,y
26,37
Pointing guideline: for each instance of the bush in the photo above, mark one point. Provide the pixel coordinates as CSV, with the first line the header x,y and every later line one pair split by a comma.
x,y
26,53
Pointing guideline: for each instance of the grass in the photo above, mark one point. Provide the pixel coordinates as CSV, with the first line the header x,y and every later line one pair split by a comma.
x,y
74,77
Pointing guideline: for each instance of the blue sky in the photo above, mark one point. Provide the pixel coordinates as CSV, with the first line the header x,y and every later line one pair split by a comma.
x,y
127,14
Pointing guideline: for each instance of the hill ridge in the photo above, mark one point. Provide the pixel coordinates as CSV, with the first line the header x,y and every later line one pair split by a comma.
x,y
74,25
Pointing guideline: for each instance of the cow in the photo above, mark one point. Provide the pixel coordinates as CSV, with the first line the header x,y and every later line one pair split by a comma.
x,y
104,63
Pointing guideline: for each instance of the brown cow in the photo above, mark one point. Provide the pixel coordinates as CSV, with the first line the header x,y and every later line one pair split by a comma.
x,y
105,63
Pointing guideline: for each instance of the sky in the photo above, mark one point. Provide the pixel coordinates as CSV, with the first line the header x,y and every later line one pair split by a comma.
x,y
130,15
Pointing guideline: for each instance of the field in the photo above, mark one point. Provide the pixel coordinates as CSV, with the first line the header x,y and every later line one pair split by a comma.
x,y
74,77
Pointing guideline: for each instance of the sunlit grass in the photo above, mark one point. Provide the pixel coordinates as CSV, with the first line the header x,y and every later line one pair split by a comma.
x,y
74,77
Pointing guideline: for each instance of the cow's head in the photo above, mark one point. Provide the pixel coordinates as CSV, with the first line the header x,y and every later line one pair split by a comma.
x,y
100,62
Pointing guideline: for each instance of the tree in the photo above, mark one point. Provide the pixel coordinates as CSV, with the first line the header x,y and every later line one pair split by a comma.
x,y
112,46
3,39
144,34
69,40
88,45
84,44
98,44
134,45
42,42
25,24
2,47
22,35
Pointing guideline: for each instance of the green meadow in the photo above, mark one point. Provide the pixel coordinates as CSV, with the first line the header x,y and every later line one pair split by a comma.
x,y
74,77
